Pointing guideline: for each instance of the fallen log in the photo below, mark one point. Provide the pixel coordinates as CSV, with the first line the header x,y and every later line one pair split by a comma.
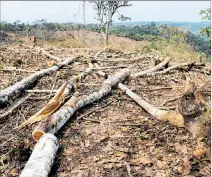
x,y
42,157
17,88
178,66
62,93
54,122
173,117
121,59
50,56
151,70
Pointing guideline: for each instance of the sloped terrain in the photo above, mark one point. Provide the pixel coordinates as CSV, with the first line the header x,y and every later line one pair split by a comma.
x,y
113,136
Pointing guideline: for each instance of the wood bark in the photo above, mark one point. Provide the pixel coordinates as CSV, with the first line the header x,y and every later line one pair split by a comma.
x,y
151,70
173,117
42,157
59,118
17,88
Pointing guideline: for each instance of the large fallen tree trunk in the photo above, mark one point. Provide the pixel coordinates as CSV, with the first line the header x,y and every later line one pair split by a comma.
x,y
42,157
58,119
151,70
63,93
14,90
173,117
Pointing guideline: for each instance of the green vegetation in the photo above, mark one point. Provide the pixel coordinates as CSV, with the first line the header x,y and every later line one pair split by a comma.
x,y
206,16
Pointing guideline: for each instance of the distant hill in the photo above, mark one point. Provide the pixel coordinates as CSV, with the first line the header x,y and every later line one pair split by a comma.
x,y
193,27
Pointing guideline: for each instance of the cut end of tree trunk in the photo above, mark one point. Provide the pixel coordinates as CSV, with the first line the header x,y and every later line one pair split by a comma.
x,y
36,134
174,117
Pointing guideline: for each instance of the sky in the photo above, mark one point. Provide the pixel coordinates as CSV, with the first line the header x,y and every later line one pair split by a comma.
x,y
72,11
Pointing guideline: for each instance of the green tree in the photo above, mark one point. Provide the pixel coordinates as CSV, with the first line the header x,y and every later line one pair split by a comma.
x,y
206,15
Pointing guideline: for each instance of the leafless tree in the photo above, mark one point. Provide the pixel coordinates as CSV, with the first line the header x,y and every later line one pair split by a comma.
x,y
104,14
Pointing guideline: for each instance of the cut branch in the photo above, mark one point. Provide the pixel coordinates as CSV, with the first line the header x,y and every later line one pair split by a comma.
x,y
121,59
50,56
62,93
42,157
16,89
173,117
59,118
178,66
151,70
15,69
19,103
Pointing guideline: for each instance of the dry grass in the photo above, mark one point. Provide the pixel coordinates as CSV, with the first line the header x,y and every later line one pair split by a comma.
x,y
87,39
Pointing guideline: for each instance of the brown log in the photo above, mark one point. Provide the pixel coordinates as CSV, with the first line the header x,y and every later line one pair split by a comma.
x,y
59,118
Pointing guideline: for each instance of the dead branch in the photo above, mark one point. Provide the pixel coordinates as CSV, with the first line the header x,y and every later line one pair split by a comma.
x,y
151,70
92,111
40,91
19,103
50,56
110,67
178,66
100,52
59,118
121,59
159,88
173,117
42,157
100,72
16,89
15,69
62,93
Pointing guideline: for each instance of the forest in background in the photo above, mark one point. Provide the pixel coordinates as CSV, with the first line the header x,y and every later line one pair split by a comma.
x,y
158,33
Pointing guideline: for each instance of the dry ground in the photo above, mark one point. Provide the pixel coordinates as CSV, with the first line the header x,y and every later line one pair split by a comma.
x,y
117,138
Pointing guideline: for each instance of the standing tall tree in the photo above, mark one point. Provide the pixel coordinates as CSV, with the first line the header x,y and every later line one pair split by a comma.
x,y
105,11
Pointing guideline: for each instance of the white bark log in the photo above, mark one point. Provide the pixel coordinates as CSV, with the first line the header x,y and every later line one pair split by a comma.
x,y
171,116
121,59
42,157
151,70
48,55
178,66
59,118
17,88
